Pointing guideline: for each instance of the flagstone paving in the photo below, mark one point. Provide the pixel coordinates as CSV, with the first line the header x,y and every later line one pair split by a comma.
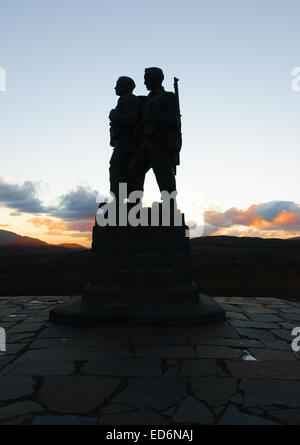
x,y
243,371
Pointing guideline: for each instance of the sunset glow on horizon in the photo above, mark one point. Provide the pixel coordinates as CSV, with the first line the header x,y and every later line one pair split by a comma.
x,y
72,218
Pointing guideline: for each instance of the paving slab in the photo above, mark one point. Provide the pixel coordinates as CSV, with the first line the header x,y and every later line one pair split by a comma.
x,y
19,338
277,344
160,340
56,331
264,317
270,392
272,354
282,334
39,369
113,408
287,325
63,355
224,389
36,319
27,409
204,351
153,374
170,351
233,416
158,393
253,324
234,342
289,310
143,417
64,420
25,327
236,316
78,343
5,360
232,308
287,416
257,334
220,330
124,367
293,316
265,369
258,309
191,411
14,348
76,394
12,387
201,367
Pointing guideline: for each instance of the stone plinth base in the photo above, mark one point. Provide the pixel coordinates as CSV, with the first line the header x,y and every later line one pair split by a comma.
x,y
201,312
140,276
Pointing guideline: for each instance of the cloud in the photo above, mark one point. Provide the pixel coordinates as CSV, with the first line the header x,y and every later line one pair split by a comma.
x,y
74,212
21,198
49,223
76,205
81,235
81,226
270,210
281,216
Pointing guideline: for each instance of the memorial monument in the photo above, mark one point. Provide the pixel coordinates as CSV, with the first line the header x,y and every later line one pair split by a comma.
x,y
141,263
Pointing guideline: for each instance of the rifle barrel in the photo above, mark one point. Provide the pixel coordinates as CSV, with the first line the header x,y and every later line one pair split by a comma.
x,y
176,80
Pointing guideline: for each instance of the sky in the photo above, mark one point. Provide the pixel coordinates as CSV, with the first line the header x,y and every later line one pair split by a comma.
x,y
240,158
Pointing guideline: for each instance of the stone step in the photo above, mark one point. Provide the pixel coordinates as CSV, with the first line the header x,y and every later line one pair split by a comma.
x,y
200,312
156,246
140,278
141,262
93,293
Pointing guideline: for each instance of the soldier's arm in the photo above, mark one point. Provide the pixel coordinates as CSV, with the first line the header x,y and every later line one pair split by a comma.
x,y
130,116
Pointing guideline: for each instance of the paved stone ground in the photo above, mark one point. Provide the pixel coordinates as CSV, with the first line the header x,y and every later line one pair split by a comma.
x,y
239,372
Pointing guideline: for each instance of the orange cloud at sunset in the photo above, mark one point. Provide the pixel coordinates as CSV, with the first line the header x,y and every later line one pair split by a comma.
x,y
81,226
49,223
273,219
287,219
233,216
69,230
5,180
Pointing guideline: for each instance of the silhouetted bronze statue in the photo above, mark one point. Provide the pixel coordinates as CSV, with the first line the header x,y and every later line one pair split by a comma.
x,y
128,239
123,122
159,136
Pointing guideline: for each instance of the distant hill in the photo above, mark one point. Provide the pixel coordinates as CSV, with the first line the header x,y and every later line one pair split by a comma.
x,y
245,241
295,238
221,265
11,238
71,246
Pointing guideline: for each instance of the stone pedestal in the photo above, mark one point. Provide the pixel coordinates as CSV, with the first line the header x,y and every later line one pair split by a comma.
x,y
140,276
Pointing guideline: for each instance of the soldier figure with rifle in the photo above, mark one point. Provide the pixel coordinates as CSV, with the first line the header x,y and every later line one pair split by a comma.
x,y
159,135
